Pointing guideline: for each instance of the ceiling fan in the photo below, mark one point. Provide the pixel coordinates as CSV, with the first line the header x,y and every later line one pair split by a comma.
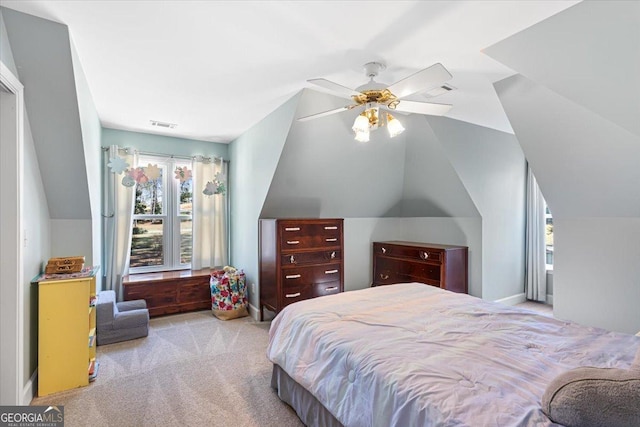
x,y
373,98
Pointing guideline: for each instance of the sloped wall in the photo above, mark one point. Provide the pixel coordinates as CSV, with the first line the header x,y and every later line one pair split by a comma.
x,y
574,110
588,54
491,165
66,131
42,53
425,185
324,172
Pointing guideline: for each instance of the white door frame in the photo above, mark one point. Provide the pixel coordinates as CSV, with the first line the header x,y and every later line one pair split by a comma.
x,y
11,264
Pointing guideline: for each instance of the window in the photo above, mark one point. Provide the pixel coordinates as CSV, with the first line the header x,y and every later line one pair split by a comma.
x,y
162,218
548,237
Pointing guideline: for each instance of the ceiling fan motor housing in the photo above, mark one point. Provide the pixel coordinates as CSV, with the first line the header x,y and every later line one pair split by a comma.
x,y
372,69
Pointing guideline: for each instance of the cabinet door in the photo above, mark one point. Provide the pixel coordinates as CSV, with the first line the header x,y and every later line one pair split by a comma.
x,y
63,338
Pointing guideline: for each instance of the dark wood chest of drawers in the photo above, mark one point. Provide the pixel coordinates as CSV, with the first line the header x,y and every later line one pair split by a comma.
x,y
299,259
444,266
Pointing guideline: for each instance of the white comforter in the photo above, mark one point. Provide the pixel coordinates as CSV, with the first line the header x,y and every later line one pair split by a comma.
x,y
415,355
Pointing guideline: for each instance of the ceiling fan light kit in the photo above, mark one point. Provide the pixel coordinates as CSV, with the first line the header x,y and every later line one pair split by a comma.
x,y
374,96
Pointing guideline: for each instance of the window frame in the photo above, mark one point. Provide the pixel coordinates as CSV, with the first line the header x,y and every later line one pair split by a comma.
x,y
171,215
548,215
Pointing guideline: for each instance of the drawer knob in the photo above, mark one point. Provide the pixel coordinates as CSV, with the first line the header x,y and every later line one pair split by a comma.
x,y
292,259
424,255
292,242
292,229
384,250
333,255
331,240
331,228
293,276
330,271
332,288
297,294
384,276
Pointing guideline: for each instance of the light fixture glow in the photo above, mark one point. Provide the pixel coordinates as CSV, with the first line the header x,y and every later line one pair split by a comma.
x,y
361,124
362,136
394,126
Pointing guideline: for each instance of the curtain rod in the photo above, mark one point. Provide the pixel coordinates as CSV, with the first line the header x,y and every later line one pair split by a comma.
x,y
173,156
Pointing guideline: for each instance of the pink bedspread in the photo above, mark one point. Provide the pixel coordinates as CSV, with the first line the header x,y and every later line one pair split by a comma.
x,y
415,355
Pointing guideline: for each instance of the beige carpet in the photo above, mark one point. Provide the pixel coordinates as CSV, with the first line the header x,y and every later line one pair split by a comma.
x,y
192,370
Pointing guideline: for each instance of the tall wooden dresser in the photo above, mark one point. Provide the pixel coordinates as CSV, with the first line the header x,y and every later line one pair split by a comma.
x,y
444,266
299,259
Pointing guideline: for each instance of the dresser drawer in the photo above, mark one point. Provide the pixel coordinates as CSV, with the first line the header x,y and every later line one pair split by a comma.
x,y
297,293
302,276
295,236
391,270
329,288
315,257
412,253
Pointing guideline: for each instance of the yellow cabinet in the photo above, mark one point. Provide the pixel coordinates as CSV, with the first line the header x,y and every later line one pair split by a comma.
x,y
66,331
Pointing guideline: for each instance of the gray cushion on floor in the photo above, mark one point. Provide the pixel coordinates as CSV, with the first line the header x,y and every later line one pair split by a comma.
x,y
121,321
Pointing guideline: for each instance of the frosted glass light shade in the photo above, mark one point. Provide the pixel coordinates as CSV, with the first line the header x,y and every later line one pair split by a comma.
x,y
394,126
361,124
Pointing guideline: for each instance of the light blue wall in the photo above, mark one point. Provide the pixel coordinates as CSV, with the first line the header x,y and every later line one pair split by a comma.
x,y
254,157
491,165
6,56
163,144
91,131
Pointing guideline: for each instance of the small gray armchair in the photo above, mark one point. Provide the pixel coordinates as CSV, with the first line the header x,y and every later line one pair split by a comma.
x,y
120,321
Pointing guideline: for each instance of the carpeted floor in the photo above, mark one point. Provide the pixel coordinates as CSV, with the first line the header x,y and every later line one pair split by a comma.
x,y
539,307
192,370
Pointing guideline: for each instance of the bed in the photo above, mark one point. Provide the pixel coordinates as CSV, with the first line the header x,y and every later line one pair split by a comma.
x,y
416,355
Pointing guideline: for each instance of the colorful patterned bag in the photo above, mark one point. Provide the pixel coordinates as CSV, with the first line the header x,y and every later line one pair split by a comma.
x,y
228,294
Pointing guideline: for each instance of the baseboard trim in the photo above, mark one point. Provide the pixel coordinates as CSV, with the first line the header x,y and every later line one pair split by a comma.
x,y
254,312
28,391
513,300
549,299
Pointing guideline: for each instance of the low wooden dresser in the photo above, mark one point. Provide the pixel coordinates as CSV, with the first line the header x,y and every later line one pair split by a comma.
x,y
299,259
170,291
444,266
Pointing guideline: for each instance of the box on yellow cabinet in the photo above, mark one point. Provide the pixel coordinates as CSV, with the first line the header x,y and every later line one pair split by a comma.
x,y
71,264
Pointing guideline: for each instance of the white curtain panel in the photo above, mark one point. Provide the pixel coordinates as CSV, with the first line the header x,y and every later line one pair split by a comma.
x,y
119,203
535,268
209,217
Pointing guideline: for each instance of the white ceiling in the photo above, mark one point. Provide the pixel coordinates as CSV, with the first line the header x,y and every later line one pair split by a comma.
x,y
216,68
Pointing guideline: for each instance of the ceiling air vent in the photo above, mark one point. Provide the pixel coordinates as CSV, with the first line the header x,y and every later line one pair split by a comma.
x,y
436,91
163,124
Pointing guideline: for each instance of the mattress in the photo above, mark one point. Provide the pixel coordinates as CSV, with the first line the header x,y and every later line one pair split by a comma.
x,y
416,355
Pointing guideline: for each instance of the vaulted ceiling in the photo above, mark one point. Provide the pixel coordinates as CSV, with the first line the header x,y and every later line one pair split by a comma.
x,y
217,68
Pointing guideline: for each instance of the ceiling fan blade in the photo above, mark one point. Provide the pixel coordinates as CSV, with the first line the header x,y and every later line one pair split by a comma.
x,y
337,89
423,108
422,80
327,113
